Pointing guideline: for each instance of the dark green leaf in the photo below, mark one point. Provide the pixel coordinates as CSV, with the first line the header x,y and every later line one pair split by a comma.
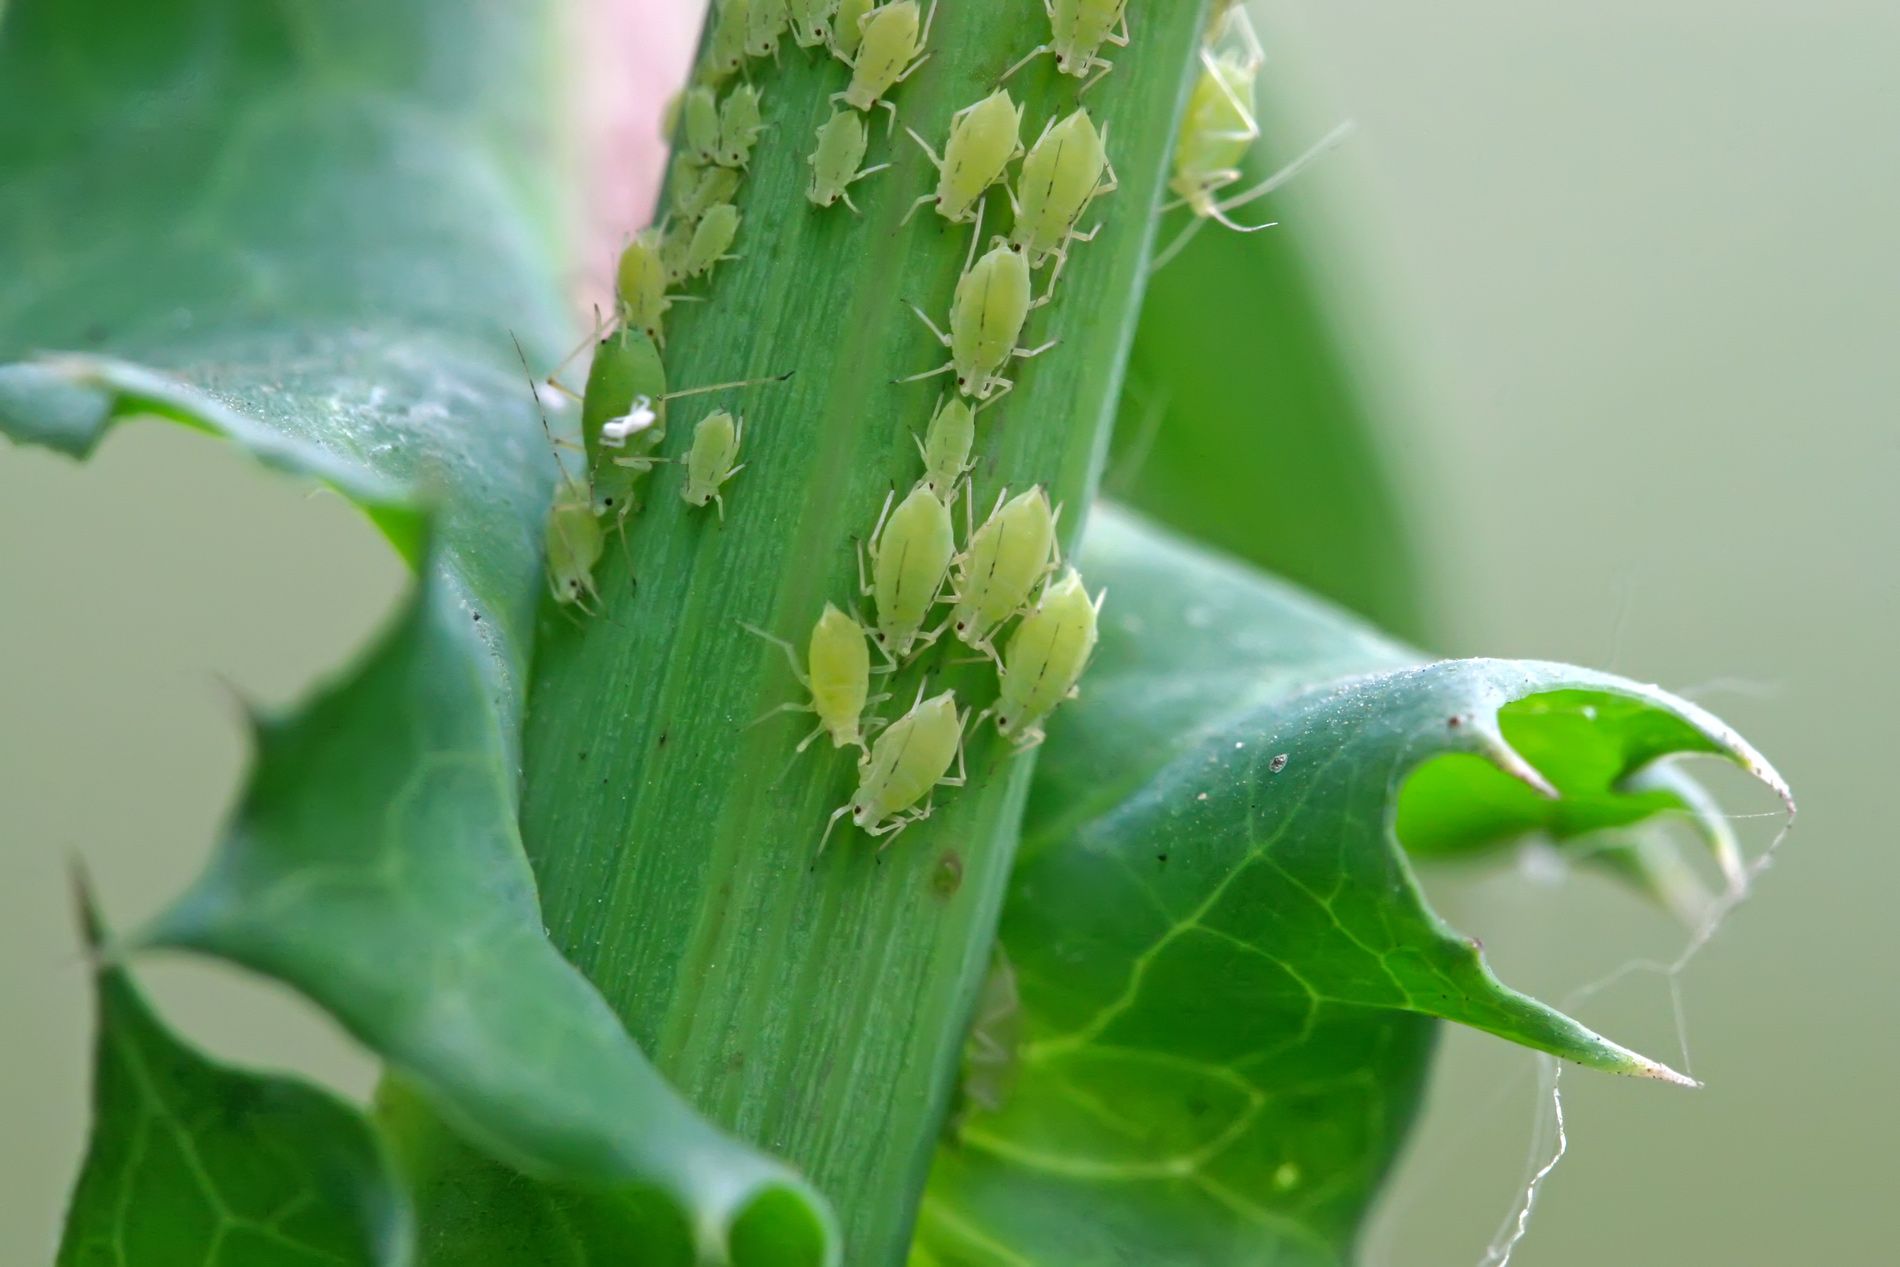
x,y
1225,966
195,1164
1255,418
312,219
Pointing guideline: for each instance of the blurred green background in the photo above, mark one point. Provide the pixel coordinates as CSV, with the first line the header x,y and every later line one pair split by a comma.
x,y
1631,269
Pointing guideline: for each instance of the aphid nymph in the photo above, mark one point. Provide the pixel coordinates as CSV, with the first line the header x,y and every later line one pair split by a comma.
x,y
766,21
811,21
834,164
836,677
1065,170
699,110
1045,659
910,551
712,239
999,566
847,28
987,313
739,126
946,447
713,459
890,49
984,138
908,760
1077,31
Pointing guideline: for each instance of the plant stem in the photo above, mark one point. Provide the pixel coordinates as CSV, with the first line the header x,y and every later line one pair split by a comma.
x,y
817,1004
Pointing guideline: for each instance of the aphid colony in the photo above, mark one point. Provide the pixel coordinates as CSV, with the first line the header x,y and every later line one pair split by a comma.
x,y
1003,593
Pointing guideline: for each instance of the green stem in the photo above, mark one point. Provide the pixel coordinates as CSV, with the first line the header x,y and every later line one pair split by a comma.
x,y
816,1004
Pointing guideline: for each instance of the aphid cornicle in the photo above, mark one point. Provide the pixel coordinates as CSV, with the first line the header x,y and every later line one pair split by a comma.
x,y
712,237
766,21
1065,170
908,760
699,111
890,48
713,459
946,447
811,21
1045,658
910,550
992,579
984,138
834,164
1077,31
836,676
991,304
739,126
847,27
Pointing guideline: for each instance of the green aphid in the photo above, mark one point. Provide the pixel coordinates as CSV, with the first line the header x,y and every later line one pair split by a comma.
x,y
712,240
984,138
640,282
847,28
838,679
890,48
740,123
575,542
811,21
987,314
765,26
1045,658
695,189
834,164
713,459
699,110
725,51
910,551
907,762
946,448
1065,170
1077,31
1000,565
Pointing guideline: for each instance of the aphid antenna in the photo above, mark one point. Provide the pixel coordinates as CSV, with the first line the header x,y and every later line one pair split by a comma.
x,y
720,387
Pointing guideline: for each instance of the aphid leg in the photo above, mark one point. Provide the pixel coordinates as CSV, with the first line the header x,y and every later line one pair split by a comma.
x,y
791,658
1028,57
1119,38
790,706
1023,354
941,336
1099,75
1289,171
890,124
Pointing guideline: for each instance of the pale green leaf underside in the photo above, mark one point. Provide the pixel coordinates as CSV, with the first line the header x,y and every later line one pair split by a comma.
x,y
1227,972
312,220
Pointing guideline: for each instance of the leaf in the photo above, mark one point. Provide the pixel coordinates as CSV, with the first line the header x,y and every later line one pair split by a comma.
x,y
194,1162
305,222
1258,416
1226,969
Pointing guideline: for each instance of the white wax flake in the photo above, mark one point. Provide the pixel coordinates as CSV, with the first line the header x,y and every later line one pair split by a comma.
x,y
615,431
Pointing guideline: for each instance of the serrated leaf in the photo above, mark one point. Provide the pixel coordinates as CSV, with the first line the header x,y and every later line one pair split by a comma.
x,y
196,1164
305,223
1225,966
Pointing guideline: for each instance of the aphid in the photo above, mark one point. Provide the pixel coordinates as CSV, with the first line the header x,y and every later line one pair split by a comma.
x,y
575,543
623,416
739,126
726,50
710,462
711,239
699,110
910,759
1000,565
697,189
573,539
834,164
640,280
910,550
839,680
983,139
889,50
1045,658
625,381
991,304
847,28
1065,170
1077,31
676,240
766,21
811,21
946,448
